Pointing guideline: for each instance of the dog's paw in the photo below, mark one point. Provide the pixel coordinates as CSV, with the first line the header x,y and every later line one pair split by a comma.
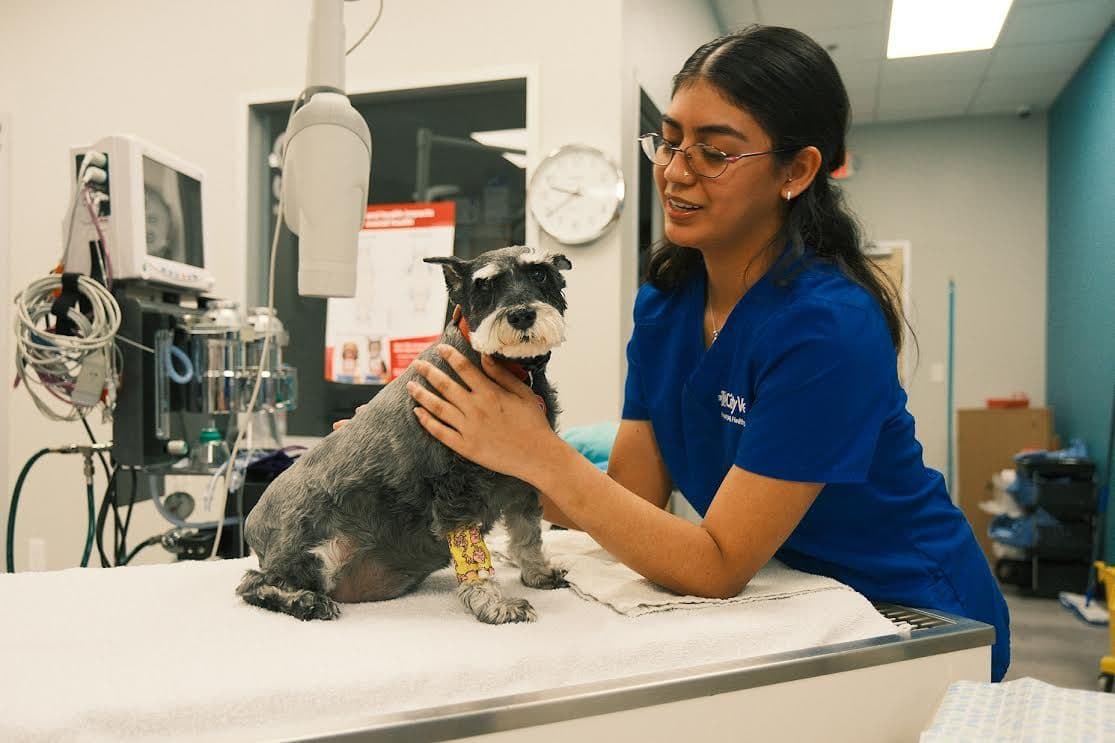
x,y
546,578
505,611
309,605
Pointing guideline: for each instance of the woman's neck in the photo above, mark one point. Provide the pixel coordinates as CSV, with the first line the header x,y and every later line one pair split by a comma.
x,y
731,271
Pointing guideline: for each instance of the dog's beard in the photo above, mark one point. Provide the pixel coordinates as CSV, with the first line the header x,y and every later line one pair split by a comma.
x,y
495,335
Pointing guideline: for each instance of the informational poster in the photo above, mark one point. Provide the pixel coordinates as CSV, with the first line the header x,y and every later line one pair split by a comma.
x,y
399,307
893,256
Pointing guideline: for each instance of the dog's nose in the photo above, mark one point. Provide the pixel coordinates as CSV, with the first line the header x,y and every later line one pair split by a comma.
x,y
521,319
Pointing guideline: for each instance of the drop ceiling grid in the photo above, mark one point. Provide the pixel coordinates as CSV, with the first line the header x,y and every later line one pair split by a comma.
x,y
1041,45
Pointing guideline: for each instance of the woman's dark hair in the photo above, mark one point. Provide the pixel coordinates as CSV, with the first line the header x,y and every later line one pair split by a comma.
x,y
791,87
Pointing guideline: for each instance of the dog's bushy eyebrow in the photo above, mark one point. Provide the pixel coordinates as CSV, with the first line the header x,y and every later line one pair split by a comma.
x,y
487,271
534,256
556,260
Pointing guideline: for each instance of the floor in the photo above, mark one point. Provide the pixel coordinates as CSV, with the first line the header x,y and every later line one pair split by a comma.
x,y
1050,644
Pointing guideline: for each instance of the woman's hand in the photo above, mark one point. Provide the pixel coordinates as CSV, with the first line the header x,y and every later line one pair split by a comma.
x,y
495,422
344,421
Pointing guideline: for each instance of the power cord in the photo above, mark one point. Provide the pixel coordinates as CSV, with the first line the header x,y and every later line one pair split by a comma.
x,y
73,369
121,554
375,22
149,542
102,517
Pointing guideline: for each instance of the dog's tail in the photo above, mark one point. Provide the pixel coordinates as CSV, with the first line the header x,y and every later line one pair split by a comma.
x,y
266,591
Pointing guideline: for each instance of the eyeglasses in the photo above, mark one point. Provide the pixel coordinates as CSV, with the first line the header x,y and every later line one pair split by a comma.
x,y
704,160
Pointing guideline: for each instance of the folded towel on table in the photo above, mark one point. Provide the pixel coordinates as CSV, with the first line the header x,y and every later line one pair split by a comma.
x,y
597,576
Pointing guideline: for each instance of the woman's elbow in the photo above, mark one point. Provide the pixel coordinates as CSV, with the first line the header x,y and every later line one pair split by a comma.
x,y
723,587
729,591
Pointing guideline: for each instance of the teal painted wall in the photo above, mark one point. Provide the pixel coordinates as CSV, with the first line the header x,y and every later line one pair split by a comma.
x,y
1080,353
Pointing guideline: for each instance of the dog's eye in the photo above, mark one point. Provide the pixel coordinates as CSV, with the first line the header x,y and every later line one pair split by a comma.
x,y
482,285
538,275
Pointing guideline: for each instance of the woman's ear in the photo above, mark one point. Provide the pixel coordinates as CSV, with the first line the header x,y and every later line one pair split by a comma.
x,y
801,172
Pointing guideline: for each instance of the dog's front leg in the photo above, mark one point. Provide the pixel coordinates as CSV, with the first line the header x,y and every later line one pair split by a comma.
x,y
524,527
473,564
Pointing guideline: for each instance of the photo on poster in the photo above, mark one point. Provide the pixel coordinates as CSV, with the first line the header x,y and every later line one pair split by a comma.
x,y
400,302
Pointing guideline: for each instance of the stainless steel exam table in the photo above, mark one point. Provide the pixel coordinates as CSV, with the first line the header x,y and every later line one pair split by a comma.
x,y
881,689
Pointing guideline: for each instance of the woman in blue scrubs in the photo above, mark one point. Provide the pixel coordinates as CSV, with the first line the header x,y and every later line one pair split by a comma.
x,y
762,377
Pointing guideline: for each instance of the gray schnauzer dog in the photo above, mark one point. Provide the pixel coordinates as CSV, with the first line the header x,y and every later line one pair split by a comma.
x,y
377,506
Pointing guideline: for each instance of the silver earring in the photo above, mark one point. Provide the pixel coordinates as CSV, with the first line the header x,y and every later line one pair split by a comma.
x,y
787,196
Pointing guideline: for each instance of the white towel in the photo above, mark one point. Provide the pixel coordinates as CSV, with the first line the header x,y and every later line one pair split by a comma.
x,y
169,652
1021,711
597,576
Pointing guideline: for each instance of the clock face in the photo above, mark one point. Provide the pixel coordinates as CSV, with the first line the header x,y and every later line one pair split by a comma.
x,y
576,194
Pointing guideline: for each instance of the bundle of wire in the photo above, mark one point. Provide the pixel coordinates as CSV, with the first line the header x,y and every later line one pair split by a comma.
x,y
53,363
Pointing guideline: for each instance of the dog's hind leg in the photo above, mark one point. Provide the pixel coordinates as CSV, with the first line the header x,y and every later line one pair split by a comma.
x,y
524,527
292,587
475,588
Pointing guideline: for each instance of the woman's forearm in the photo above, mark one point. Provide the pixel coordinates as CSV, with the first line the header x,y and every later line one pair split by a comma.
x,y
666,549
553,514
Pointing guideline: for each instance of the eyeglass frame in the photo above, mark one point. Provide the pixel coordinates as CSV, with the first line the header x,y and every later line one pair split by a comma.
x,y
728,159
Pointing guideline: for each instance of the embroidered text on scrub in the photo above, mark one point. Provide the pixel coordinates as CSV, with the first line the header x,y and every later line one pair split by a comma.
x,y
471,558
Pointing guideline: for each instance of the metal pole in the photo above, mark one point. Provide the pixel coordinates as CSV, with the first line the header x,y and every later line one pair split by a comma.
x,y
951,359
422,169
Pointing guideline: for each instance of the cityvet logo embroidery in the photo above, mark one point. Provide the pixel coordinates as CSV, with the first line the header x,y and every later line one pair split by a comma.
x,y
732,408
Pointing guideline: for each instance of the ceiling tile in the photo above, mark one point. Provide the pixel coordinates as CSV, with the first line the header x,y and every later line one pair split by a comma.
x,y
813,15
920,112
929,95
736,13
936,68
854,43
1037,90
1037,59
860,74
1069,21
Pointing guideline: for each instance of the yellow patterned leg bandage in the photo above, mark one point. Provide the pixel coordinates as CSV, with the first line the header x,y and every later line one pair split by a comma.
x,y
471,558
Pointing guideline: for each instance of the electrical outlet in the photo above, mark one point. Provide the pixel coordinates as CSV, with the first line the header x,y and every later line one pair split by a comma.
x,y
36,553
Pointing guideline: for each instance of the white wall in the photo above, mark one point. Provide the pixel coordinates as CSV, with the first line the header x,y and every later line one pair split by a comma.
x,y
5,287
970,195
181,75
658,36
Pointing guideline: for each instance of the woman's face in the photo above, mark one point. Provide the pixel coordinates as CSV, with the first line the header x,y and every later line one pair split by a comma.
x,y
742,202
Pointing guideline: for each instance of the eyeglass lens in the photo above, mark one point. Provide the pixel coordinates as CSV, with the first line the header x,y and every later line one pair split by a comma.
x,y
703,159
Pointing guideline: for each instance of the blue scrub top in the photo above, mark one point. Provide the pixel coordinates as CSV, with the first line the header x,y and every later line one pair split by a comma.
x,y
802,385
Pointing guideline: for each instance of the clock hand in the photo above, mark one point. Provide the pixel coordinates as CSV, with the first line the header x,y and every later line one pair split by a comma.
x,y
565,201
577,192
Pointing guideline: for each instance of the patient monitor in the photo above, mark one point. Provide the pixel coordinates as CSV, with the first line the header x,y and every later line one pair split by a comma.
x,y
149,207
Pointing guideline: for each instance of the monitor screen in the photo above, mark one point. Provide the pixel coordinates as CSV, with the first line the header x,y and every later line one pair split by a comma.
x,y
172,214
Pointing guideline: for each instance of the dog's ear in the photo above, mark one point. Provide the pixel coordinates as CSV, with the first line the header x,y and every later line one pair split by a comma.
x,y
456,270
560,262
